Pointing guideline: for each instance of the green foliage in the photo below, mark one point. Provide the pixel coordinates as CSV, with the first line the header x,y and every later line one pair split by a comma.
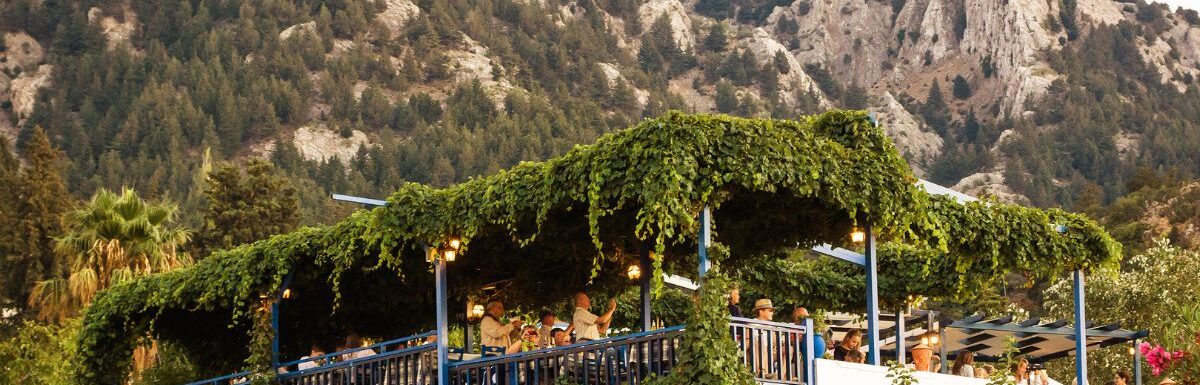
x,y
111,239
1182,333
247,203
40,198
39,354
707,356
717,9
935,111
717,38
900,374
1139,296
172,367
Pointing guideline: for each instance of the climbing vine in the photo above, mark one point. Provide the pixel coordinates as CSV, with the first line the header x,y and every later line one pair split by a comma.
x,y
778,183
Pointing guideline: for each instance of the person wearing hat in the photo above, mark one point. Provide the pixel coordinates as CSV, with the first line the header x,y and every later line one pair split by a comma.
x,y
922,356
1167,381
764,310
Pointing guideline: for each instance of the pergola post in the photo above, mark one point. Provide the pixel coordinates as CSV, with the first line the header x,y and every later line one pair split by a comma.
x,y
942,348
439,272
1080,331
809,353
705,240
275,331
872,298
1137,362
647,273
901,357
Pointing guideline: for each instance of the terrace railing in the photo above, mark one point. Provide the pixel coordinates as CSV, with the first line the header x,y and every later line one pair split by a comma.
x,y
619,360
774,352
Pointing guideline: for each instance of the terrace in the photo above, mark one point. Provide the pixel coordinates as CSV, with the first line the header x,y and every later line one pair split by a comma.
x,y
676,194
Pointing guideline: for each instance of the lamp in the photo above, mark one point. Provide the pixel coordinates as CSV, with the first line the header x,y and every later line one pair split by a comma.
x,y
634,272
447,252
287,293
857,235
476,312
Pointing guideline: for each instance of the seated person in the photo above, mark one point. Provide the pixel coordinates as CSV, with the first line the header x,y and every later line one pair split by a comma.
x,y
560,336
545,339
851,341
494,333
353,342
527,342
313,352
856,356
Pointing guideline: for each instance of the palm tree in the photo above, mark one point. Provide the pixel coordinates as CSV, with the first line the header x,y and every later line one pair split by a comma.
x,y
112,239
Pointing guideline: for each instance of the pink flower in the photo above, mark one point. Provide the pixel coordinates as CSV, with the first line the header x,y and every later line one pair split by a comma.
x,y
1158,357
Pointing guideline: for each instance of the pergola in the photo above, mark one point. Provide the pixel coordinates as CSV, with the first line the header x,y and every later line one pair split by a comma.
x,y
662,194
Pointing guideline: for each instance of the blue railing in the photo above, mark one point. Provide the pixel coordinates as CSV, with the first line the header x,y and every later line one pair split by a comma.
x,y
228,379
620,360
774,352
407,366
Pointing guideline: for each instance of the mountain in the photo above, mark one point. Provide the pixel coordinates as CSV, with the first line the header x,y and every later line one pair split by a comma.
x,y
1045,102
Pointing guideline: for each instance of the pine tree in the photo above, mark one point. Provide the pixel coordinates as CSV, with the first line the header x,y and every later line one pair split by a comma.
x,y
42,200
935,111
727,99
962,89
247,206
717,37
9,176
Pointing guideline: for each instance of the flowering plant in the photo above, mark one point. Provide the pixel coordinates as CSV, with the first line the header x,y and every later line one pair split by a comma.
x,y
1159,358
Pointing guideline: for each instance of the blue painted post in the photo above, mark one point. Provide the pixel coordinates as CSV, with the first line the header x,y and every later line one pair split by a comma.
x,y
872,299
809,363
1080,331
442,322
942,349
705,240
275,330
1137,363
900,328
647,273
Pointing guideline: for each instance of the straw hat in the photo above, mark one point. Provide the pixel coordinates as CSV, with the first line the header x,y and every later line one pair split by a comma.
x,y
1167,381
921,347
764,303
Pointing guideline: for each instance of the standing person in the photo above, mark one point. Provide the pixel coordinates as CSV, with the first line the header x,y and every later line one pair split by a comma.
x,y
588,325
494,333
851,341
735,296
763,366
964,364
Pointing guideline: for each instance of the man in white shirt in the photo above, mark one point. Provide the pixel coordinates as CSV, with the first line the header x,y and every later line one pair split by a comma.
x,y
493,332
588,325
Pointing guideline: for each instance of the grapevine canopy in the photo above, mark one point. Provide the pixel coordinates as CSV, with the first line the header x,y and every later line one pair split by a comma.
x,y
545,229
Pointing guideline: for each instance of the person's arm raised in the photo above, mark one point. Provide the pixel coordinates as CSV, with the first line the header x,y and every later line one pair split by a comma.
x,y
607,316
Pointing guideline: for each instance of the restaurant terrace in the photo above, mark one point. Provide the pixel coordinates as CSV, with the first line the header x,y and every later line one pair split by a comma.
x,y
673,196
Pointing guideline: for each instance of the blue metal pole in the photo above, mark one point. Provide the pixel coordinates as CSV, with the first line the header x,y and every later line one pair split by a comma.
x,y
275,330
809,341
1080,331
705,240
647,273
1137,363
872,298
900,328
442,322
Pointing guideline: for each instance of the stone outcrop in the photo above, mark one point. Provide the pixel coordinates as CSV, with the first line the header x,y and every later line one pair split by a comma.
x,y
25,87
319,143
397,14
116,32
919,147
677,15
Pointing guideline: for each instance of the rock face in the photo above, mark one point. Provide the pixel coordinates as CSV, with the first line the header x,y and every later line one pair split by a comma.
x,y
115,31
920,147
677,15
25,88
397,14
320,144
23,52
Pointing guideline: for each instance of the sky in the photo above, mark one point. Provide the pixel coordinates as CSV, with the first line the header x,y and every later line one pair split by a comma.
x,y
1192,4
